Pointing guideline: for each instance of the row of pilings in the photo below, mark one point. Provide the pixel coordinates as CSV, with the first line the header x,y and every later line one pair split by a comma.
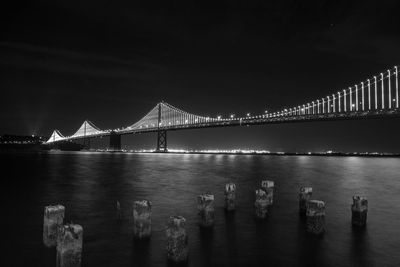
x,y
68,238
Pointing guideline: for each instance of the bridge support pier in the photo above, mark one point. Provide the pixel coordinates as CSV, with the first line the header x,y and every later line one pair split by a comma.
x,y
115,142
86,143
162,141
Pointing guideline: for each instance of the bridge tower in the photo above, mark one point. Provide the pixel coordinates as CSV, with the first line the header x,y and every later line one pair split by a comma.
x,y
161,134
86,140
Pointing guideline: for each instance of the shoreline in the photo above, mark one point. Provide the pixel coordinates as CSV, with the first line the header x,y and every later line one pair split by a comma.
x,y
315,154
244,153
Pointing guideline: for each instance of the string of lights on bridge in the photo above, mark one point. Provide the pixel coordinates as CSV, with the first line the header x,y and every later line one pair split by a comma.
x,y
360,97
378,93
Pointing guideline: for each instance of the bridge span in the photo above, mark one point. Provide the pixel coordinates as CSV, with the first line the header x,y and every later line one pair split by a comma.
x,y
371,99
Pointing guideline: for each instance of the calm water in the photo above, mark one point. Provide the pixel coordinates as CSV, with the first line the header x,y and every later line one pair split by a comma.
x,y
89,184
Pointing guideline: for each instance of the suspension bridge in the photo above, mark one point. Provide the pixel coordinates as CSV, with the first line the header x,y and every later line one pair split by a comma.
x,y
377,97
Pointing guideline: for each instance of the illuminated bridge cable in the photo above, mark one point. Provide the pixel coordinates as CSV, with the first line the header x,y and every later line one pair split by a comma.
x,y
170,117
87,129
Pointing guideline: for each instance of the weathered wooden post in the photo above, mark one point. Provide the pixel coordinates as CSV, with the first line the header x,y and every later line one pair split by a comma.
x,y
52,219
304,197
359,211
268,187
142,219
119,213
230,196
261,204
177,240
315,217
205,206
69,246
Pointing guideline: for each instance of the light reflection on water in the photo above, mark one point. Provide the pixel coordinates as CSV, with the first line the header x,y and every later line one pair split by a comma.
x,y
89,184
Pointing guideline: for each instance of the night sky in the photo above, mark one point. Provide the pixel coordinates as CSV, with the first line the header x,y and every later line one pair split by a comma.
x,y
62,62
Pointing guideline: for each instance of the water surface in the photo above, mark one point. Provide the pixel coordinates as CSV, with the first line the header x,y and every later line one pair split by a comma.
x,y
89,184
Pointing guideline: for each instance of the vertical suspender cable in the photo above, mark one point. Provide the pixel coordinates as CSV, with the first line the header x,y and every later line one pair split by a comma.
x,y
390,91
383,93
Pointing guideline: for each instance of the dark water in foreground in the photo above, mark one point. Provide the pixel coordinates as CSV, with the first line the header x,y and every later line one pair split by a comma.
x,y
89,184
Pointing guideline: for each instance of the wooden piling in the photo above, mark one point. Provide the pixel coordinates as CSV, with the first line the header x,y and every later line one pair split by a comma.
x,y
315,217
230,196
205,206
304,197
177,240
119,212
69,246
268,187
359,211
52,219
142,219
261,204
